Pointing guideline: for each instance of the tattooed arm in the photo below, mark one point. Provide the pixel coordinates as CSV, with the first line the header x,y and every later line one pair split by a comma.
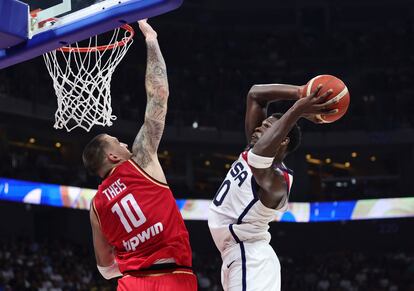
x,y
146,142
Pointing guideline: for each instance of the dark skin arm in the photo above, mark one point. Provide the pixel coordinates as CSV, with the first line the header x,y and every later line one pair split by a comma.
x,y
258,99
273,188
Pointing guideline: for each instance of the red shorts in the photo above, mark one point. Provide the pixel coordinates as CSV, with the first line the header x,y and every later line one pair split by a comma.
x,y
159,281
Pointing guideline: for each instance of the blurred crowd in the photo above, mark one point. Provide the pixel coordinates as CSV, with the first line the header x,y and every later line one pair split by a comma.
x,y
43,166
326,184
64,266
349,271
211,86
48,266
213,59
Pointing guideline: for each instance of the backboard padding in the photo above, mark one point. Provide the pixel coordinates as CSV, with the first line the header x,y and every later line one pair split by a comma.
x,y
86,26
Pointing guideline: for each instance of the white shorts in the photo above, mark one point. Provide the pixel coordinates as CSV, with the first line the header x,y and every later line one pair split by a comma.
x,y
250,267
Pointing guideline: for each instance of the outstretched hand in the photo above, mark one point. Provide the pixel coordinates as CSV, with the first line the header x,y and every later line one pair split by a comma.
x,y
314,104
147,30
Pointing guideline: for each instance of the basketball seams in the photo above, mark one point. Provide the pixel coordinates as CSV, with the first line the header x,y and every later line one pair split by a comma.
x,y
308,91
337,84
337,98
329,77
309,88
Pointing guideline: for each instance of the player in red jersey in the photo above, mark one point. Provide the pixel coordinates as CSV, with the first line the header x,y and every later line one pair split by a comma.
x,y
138,231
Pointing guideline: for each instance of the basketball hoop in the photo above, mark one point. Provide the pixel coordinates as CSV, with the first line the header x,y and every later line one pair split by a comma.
x,y
82,79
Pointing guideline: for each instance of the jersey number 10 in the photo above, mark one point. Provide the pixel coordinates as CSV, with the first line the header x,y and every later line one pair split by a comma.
x,y
132,210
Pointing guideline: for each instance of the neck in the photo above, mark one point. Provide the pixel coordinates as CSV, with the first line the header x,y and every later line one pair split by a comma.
x,y
104,173
279,157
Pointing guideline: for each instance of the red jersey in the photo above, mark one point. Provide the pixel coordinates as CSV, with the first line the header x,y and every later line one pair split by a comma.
x,y
140,218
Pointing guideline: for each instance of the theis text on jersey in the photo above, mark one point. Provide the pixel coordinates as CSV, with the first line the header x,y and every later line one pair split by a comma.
x,y
114,189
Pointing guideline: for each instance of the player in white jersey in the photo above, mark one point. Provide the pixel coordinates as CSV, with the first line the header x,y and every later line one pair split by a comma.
x,y
257,185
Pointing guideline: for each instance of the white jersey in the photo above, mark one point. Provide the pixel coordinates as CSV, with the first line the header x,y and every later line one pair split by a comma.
x,y
236,213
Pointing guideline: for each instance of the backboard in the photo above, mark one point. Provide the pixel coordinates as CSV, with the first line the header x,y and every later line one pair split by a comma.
x,y
30,28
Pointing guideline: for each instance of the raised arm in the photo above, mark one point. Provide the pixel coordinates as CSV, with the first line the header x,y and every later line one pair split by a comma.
x,y
266,148
260,96
271,140
146,143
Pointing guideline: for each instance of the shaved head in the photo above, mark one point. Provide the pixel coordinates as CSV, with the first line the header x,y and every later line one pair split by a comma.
x,y
94,154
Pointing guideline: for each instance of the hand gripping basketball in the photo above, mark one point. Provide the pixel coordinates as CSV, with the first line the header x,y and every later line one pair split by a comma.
x,y
339,99
315,103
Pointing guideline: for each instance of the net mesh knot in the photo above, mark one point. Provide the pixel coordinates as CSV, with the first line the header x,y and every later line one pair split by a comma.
x,y
82,80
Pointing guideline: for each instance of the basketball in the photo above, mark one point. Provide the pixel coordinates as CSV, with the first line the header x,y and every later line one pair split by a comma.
x,y
340,93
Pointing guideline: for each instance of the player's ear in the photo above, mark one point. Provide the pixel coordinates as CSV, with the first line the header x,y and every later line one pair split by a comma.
x,y
286,141
113,158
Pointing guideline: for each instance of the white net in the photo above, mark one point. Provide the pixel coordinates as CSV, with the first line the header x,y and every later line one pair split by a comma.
x,y
82,80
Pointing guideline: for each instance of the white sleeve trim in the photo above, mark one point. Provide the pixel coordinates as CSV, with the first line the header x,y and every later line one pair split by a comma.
x,y
110,272
259,162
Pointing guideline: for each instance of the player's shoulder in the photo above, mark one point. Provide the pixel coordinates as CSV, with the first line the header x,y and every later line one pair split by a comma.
x,y
282,167
98,199
93,207
125,165
243,156
121,170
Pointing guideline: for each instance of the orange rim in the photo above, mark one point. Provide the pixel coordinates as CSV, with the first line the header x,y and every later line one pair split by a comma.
x,y
124,41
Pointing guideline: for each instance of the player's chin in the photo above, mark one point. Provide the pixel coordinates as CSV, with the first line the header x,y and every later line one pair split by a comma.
x,y
253,141
254,138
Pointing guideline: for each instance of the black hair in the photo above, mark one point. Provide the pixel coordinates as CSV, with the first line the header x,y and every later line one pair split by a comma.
x,y
94,154
295,135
